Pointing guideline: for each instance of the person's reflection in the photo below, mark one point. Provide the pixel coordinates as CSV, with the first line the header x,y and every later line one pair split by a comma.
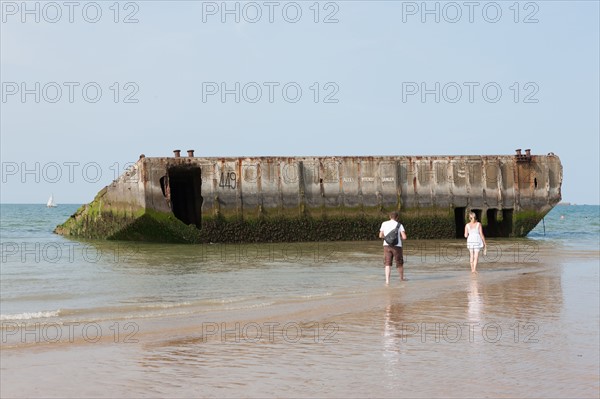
x,y
475,301
392,332
388,328
391,344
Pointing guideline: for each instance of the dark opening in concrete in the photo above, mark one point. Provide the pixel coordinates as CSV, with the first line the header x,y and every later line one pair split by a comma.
x,y
459,222
162,185
185,184
498,227
493,227
507,223
477,213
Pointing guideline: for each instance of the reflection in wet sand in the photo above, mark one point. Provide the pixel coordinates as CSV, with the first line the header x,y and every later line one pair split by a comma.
x,y
510,331
475,301
393,335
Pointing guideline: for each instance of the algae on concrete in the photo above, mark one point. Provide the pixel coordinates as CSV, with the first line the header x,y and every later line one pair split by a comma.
x,y
290,199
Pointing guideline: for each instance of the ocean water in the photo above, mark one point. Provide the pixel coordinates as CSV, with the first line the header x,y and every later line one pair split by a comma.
x,y
300,319
47,276
577,225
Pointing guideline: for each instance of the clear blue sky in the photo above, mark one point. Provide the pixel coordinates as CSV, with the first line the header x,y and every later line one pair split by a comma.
x,y
83,95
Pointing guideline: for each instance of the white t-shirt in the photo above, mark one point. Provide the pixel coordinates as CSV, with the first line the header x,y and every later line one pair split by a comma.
x,y
390,225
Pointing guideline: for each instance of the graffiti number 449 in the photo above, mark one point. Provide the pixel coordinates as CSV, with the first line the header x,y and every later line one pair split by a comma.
x,y
228,179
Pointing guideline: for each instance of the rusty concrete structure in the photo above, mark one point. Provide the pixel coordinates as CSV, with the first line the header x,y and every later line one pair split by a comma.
x,y
197,199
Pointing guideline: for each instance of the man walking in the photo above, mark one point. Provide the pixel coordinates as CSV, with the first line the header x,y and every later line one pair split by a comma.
x,y
393,252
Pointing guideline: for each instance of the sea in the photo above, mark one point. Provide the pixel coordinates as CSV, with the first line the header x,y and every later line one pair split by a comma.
x,y
84,318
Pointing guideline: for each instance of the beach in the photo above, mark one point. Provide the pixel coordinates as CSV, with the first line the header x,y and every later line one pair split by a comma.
x,y
193,191
306,320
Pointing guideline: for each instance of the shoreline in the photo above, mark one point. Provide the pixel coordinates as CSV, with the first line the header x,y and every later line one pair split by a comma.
x,y
441,275
520,315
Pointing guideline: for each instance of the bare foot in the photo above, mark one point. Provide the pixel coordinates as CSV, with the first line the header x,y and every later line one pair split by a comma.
x,y
403,279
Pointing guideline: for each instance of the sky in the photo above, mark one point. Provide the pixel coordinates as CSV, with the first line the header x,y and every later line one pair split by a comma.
x,y
89,86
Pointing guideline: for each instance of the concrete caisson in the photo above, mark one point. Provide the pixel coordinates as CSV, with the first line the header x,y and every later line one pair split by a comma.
x,y
268,199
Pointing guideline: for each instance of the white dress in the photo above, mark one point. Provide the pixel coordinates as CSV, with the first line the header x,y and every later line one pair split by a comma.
x,y
474,240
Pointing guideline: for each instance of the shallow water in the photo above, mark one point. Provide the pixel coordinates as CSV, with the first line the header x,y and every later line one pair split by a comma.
x,y
306,319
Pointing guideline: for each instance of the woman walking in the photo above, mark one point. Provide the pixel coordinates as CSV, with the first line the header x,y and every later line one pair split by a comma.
x,y
475,240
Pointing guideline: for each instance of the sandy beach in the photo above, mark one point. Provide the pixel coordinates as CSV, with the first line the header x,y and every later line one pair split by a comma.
x,y
517,329
193,192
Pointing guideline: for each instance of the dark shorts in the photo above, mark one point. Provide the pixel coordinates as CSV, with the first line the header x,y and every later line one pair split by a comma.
x,y
390,253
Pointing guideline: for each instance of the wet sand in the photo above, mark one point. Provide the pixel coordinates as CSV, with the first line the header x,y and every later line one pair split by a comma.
x,y
516,329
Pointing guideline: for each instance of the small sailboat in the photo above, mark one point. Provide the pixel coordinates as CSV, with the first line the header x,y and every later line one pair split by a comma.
x,y
51,203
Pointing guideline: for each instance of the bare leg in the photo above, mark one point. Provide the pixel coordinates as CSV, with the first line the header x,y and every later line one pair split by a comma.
x,y
475,259
471,259
388,272
401,271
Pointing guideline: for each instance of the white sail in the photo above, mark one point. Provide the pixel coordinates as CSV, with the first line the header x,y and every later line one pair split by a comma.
x,y
51,203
